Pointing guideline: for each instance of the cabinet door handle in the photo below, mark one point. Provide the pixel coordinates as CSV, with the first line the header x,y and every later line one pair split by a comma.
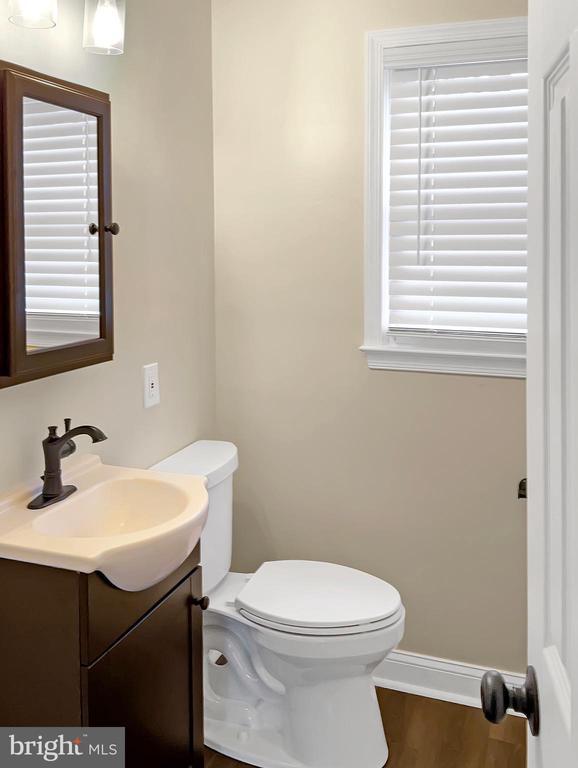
x,y
201,602
113,228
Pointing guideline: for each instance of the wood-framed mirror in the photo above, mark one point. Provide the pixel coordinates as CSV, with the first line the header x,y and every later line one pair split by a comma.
x,y
57,229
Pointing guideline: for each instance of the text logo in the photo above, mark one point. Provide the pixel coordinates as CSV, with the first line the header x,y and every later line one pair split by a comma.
x,y
42,746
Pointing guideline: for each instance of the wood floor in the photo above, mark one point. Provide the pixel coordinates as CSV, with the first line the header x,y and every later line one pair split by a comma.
x,y
425,733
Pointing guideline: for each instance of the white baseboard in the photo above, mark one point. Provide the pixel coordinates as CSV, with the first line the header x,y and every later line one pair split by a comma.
x,y
435,678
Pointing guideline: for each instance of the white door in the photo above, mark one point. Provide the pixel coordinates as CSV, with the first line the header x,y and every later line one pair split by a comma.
x,y
553,379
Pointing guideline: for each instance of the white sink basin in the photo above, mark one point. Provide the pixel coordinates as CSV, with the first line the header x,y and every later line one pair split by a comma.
x,y
114,508
135,526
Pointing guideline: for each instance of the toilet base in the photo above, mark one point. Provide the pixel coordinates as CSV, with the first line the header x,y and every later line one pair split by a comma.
x,y
262,748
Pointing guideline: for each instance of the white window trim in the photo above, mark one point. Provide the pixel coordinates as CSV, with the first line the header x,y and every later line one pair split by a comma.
x,y
401,47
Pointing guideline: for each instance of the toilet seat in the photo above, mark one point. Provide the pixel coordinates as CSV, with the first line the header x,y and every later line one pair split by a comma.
x,y
356,629
311,598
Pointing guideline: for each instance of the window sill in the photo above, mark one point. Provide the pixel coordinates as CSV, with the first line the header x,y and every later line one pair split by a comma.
x,y
466,356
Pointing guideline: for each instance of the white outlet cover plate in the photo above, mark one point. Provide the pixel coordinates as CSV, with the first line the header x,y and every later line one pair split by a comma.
x,y
152,390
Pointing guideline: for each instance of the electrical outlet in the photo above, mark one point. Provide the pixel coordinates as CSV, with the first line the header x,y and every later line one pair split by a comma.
x,y
152,389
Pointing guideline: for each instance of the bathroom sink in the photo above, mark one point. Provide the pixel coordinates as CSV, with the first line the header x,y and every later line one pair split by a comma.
x,y
135,526
114,508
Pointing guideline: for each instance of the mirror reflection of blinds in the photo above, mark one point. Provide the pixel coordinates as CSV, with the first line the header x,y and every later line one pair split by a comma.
x,y
457,199
60,202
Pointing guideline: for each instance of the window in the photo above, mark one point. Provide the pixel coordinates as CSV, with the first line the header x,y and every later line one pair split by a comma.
x,y
446,200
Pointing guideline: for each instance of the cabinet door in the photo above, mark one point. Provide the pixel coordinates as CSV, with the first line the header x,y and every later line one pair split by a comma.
x,y
108,612
57,228
144,683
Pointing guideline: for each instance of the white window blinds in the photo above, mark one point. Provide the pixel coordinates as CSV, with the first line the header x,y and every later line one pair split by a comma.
x,y
456,199
60,203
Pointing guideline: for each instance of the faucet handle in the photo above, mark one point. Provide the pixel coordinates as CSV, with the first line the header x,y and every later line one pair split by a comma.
x,y
52,431
70,446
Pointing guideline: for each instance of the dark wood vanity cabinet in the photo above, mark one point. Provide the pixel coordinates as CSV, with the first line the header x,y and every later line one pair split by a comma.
x,y
74,650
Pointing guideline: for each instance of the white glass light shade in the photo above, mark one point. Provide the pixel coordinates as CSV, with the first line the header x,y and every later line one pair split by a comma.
x,y
104,26
34,14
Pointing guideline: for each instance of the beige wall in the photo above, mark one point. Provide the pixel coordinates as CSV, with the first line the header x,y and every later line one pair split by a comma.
x,y
409,476
163,198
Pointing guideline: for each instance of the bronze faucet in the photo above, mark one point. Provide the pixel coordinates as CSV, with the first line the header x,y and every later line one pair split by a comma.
x,y
55,449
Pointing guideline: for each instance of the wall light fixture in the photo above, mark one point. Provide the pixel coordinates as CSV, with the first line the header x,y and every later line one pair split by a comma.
x,y
104,26
34,14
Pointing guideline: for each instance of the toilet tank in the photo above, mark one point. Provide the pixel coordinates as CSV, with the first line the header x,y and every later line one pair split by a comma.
x,y
217,461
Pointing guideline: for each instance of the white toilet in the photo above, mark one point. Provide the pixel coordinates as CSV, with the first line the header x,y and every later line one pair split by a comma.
x,y
289,650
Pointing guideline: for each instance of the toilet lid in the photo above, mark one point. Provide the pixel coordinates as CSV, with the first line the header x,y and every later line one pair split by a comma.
x,y
303,593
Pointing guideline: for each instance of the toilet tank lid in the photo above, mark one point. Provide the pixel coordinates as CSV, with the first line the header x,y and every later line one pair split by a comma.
x,y
214,459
